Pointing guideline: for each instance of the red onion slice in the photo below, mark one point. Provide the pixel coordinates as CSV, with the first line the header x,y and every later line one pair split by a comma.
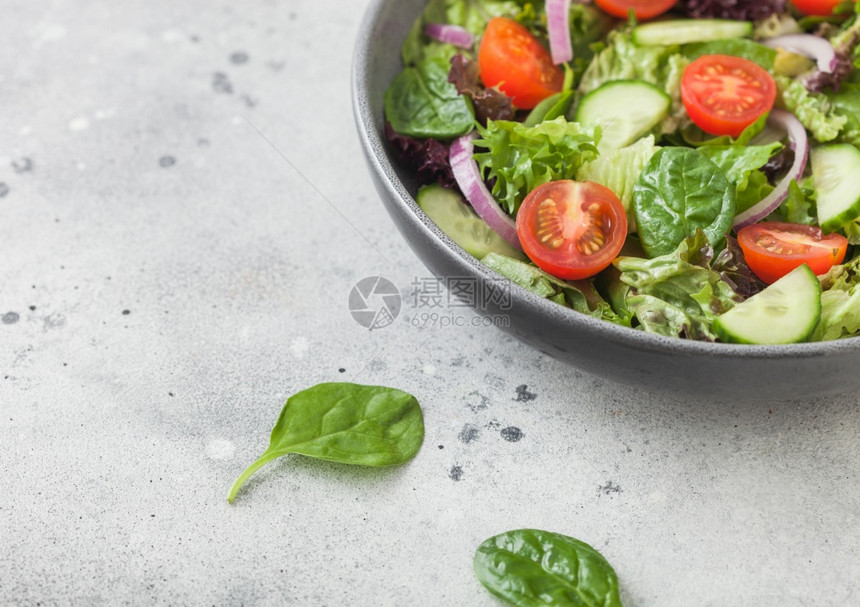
x,y
798,141
468,177
807,45
452,34
557,21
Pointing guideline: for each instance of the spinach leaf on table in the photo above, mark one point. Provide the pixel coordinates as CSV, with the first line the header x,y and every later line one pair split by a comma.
x,y
679,191
422,103
346,423
530,568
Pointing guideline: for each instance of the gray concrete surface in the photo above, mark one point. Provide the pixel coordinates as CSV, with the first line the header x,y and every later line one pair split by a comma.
x,y
167,279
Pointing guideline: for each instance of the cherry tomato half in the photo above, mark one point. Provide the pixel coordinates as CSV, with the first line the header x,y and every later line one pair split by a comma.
x,y
773,249
572,229
512,59
723,94
643,9
823,8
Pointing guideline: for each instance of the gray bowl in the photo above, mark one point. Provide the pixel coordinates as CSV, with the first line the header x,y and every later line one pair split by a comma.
x,y
707,370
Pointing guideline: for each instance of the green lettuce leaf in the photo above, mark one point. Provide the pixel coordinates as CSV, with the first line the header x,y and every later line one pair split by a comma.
x,y
693,136
738,47
662,66
756,188
621,59
740,165
520,158
677,294
588,25
619,170
737,162
814,110
847,103
840,302
798,206
852,232
579,295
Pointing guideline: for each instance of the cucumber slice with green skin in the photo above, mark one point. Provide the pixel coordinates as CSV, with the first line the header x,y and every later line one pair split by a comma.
x,y
625,110
451,214
836,175
684,31
785,312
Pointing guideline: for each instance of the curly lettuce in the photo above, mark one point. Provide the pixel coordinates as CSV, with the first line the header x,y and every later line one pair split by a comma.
x,y
579,295
814,110
519,158
679,294
840,302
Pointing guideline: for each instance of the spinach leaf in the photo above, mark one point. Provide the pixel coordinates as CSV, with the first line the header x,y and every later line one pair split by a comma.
x,y
530,567
579,295
422,103
678,191
550,108
345,423
520,158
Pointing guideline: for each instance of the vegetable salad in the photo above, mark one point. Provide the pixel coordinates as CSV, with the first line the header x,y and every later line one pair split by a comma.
x,y
689,168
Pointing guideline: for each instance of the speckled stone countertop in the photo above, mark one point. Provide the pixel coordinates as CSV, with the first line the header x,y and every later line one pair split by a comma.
x,y
184,211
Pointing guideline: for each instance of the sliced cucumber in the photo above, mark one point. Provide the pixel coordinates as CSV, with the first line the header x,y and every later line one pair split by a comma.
x,y
624,109
836,174
452,215
684,31
786,312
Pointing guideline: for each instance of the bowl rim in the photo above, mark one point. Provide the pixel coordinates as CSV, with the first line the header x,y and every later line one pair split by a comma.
x,y
376,151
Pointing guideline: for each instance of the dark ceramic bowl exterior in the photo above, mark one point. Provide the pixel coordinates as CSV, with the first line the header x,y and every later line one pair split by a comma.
x,y
697,369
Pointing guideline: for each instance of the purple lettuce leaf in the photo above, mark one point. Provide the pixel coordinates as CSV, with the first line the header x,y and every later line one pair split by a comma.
x,y
743,10
428,157
489,103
